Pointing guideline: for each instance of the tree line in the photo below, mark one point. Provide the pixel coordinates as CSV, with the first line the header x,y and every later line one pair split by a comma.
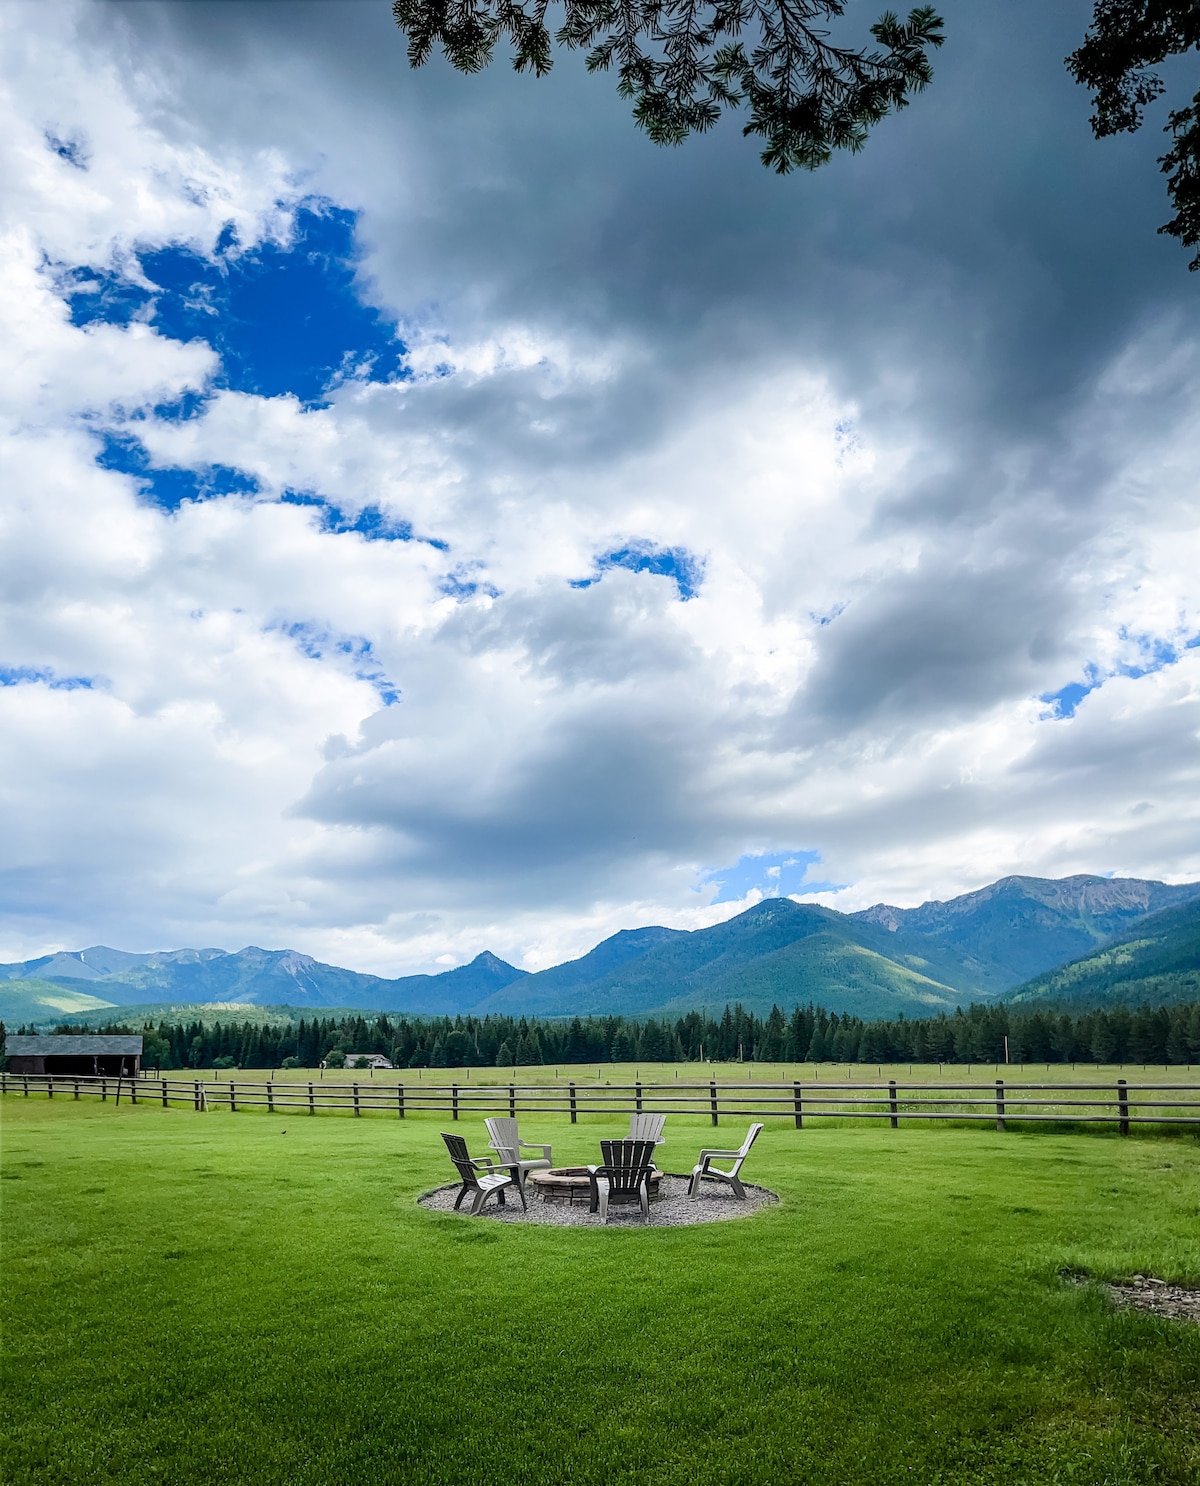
x,y
1146,1035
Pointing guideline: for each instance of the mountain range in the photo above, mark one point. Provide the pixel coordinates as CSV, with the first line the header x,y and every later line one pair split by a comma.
x,y
1016,935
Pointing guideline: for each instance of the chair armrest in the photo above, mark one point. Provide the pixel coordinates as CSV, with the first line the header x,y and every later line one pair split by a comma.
x,y
485,1163
532,1145
719,1155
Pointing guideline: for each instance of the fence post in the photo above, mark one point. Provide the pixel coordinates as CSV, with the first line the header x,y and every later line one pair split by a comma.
x,y
196,1094
27,1086
77,1088
712,1096
400,1100
798,1107
638,1097
133,1089
164,1093
356,1109
1000,1104
50,1087
270,1097
573,1112
454,1102
512,1102
232,1098
312,1108
103,1088
1123,1105
892,1103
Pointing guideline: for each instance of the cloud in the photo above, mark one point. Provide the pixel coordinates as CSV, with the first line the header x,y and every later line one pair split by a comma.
x,y
484,530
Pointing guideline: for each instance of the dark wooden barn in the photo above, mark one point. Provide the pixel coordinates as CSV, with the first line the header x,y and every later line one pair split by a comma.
x,y
64,1053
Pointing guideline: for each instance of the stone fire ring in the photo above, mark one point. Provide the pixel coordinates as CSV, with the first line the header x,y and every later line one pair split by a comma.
x,y
573,1185
672,1208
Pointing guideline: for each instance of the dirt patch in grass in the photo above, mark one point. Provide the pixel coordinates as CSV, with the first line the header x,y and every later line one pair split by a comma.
x,y
1144,1293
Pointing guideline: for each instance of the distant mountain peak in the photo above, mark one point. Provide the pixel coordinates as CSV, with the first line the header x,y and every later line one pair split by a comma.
x,y
486,960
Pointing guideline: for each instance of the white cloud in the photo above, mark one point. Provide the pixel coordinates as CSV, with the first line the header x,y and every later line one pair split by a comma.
x,y
890,580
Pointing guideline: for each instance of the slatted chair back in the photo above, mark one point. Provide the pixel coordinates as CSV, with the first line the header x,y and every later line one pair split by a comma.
x,y
504,1138
647,1127
457,1147
627,1164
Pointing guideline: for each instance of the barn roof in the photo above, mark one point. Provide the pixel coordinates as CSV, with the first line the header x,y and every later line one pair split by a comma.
x,y
63,1045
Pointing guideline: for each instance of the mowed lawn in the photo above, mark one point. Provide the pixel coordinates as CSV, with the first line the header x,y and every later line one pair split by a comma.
x,y
251,1298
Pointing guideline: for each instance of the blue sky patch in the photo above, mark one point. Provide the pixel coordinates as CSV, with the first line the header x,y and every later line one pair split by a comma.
x,y
643,557
775,874
321,644
169,487
1157,653
371,523
73,151
284,318
459,585
1065,700
45,676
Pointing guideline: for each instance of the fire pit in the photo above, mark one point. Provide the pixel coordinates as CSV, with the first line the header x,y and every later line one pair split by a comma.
x,y
572,1186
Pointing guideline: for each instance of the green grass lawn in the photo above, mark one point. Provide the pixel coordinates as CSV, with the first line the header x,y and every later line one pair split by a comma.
x,y
205,1298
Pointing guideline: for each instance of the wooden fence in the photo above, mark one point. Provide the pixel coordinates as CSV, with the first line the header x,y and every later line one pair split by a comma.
x,y
1116,1103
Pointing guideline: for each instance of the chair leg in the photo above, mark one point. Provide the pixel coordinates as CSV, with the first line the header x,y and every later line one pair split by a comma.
x,y
521,1192
604,1206
694,1184
458,1201
644,1195
500,1196
738,1189
480,1199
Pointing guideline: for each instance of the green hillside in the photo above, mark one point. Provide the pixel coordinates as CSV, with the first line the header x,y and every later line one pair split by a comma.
x,y
1157,962
778,952
100,1014
830,969
43,1001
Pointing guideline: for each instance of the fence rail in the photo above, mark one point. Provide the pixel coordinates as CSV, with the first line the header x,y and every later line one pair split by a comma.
x,y
1121,1104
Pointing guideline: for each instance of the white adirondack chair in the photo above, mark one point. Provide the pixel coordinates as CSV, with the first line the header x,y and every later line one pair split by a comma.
x,y
703,1170
504,1138
647,1127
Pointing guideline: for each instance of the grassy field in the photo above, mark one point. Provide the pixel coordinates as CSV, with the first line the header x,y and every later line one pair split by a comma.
x,y
247,1298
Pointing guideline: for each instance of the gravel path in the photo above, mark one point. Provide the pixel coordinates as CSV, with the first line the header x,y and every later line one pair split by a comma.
x,y
673,1208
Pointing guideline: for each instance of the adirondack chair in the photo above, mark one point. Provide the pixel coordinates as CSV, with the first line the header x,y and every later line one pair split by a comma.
x,y
704,1172
647,1127
479,1178
508,1145
625,1174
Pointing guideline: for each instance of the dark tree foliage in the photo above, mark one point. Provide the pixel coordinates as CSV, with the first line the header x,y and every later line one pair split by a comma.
x,y
1126,40
684,62
1107,1034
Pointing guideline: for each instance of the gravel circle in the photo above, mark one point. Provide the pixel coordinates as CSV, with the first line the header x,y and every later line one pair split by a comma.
x,y
672,1208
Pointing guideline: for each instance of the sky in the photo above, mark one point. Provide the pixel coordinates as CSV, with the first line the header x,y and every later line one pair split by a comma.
x,y
436,519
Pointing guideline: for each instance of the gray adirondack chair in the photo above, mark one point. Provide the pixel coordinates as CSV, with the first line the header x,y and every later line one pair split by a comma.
x,y
704,1171
479,1178
647,1127
505,1140
624,1174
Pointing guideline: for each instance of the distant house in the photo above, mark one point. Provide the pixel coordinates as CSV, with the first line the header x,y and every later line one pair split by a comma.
x,y
373,1061
63,1053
